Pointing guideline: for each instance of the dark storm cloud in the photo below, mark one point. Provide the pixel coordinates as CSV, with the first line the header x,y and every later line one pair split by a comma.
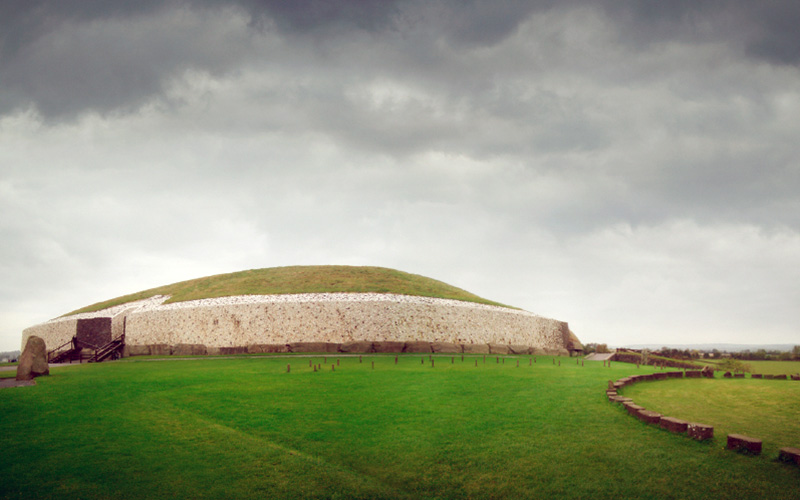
x,y
65,57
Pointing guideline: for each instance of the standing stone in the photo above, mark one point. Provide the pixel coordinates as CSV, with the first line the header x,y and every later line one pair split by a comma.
x,y
33,361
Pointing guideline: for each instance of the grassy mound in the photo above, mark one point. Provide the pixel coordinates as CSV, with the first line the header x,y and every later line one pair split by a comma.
x,y
247,428
300,279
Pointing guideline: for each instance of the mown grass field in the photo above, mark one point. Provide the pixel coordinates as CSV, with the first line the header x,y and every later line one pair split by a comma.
x,y
245,428
300,279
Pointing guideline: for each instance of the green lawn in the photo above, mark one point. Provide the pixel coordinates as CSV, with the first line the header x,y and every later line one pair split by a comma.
x,y
245,428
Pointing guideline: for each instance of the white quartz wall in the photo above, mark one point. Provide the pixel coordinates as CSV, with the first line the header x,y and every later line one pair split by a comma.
x,y
337,318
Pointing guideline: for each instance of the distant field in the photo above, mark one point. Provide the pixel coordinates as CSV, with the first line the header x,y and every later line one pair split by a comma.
x,y
300,279
245,428
766,367
763,409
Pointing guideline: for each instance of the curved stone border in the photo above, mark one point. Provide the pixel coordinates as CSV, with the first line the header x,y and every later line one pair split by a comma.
x,y
697,431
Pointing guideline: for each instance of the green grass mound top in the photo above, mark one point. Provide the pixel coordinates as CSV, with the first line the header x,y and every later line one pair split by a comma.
x,y
300,279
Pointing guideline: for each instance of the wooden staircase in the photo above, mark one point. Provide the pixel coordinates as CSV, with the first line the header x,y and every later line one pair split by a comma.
x,y
112,350
75,350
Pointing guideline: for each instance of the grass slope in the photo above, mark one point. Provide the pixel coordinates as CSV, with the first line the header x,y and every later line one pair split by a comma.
x,y
245,428
300,279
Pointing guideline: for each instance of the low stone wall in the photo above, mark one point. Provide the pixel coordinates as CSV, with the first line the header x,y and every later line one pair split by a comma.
x,y
343,319
697,431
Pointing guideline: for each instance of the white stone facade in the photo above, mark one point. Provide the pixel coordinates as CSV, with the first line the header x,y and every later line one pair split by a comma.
x,y
333,317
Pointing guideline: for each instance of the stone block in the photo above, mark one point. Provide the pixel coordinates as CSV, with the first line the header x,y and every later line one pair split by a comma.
x,y
417,347
313,347
780,377
795,377
649,417
693,374
660,376
214,351
33,360
768,376
727,375
362,346
674,425
675,374
519,349
476,348
189,350
700,432
632,408
611,393
738,375
137,350
388,346
707,372
789,455
756,375
160,349
498,349
447,347
745,444
231,351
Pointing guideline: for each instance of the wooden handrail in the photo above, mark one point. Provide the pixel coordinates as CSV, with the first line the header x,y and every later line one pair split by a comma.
x,y
103,351
54,352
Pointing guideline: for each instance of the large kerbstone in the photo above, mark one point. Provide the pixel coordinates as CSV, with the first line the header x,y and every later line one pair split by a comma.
x,y
313,347
160,349
498,349
33,361
417,347
189,350
136,350
388,346
447,347
356,347
476,348
519,349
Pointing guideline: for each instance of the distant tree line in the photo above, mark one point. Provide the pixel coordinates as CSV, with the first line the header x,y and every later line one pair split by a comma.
x,y
764,355
686,354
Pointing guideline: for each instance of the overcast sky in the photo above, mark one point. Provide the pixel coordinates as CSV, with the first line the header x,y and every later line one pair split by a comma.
x,y
630,167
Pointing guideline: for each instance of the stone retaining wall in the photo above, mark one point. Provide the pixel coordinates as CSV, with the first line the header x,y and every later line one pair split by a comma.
x,y
238,322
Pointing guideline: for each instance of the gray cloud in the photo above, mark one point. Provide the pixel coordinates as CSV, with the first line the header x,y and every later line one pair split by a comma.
x,y
65,57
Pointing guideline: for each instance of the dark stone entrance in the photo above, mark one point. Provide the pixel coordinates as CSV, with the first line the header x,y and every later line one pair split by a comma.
x,y
94,331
